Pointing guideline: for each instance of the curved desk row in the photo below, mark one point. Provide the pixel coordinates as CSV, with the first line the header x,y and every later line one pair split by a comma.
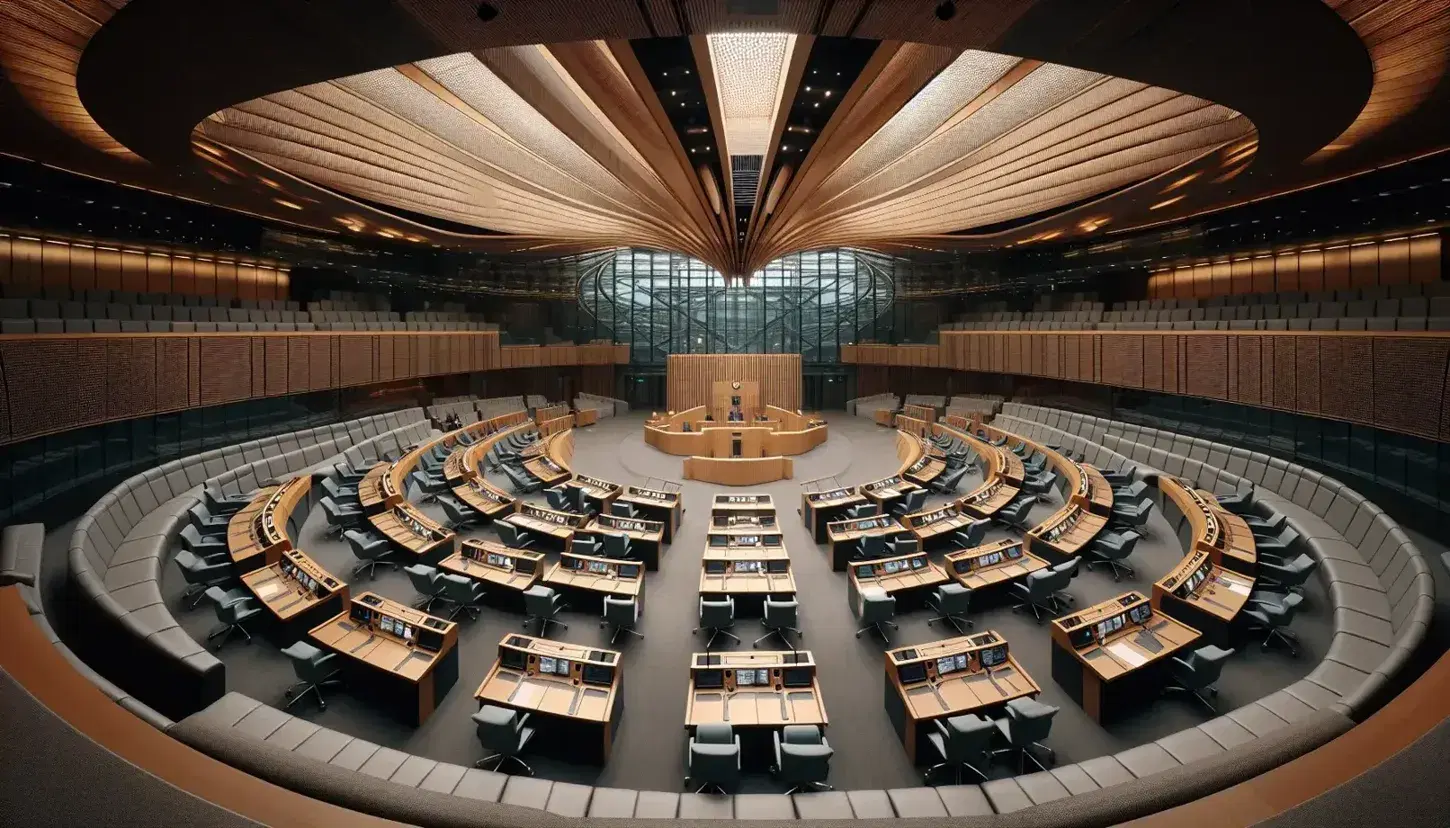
x,y
471,485
1211,585
738,471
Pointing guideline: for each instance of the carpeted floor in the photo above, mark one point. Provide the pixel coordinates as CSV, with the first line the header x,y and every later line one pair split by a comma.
x,y
649,751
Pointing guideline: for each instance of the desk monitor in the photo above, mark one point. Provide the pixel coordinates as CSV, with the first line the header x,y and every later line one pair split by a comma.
x,y
945,665
772,540
912,673
407,632
993,656
561,667
546,664
918,563
863,571
719,540
360,614
962,566
777,567
598,674
512,659
1014,552
1141,614
715,567
796,677
709,679
628,570
1080,638
744,678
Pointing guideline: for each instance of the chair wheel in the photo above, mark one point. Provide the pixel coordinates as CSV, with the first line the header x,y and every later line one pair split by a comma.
x,y
322,705
1264,647
287,695
858,635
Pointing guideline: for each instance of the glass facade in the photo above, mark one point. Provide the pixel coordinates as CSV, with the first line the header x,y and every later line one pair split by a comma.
x,y
806,303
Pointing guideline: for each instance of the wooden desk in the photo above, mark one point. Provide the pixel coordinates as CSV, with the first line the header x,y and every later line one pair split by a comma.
x,y
845,536
924,413
885,417
1062,536
931,525
495,565
551,412
738,471
580,687
1203,595
754,689
407,657
1103,655
598,576
749,570
556,425
251,538
1200,523
656,504
895,576
472,486
586,417
951,677
990,564
926,468
376,491
551,464
988,499
744,522
646,537
297,591
729,504
559,526
884,492
598,492
415,533
821,508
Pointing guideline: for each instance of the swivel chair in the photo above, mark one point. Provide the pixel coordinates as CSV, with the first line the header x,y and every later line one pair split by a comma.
x,y
870,547
623,510
951,602
1268,527
877,611
459,515
203,546
559,500
339,492
585,545
617,545
717,616
1271,613
544,604
464,593
910,502
1112,548
219,503
504,732
1118,478
346,475
802,758
233,609
904,545
340,518
371,551
1039,484
778,618
201,575
623,613
1286,576
1067,570
961,742
1137,490
430,484
1038,591
947,483
1015,514
1026,725
973,535
862,510
1197,674
205,522
1240,502
1133,515
1276,545
512,536
427,583
1035,465
713,758
315,669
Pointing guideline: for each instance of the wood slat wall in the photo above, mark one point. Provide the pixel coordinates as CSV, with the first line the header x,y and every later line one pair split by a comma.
x,y
31,262
1404,260
57,383
690,376
1394,381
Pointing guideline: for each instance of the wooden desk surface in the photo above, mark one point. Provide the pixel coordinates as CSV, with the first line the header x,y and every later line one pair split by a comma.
x,y
594,487
947,678
1069,541
472,561
1205,586
384,651
559,525
830,499
745,583
606,582
959,564
401,531
988,499
774,705
244,542
846,531
648,531
929,523
649,497
746,552
916,571
568,696
284,593
1120,653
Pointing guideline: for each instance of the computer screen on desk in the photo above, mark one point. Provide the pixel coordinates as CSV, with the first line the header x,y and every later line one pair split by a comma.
x,y
863,571
709,679
1141,614
629,571
796,677
912,673
993,656
360,614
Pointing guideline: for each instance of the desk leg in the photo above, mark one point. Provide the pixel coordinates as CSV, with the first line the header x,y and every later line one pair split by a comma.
x,y
1092,695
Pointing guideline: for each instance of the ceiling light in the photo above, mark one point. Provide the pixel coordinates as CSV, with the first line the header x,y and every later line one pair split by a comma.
x,y
946,11
828,93
486,12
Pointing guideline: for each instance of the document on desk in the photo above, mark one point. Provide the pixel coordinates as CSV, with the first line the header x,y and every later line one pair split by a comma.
x,y
1237,588
267,590
1129,656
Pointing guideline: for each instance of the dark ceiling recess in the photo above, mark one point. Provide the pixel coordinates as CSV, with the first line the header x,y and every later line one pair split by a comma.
x,y
486,12
833,66
946,11
669,63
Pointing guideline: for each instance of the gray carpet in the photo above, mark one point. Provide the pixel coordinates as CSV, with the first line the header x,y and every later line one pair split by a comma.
x,y
649,750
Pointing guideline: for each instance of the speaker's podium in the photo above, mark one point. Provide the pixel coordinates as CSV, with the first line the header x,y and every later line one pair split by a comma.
x,y
732,449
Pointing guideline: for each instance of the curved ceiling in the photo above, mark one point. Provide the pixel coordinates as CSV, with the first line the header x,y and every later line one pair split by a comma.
x,y
734,138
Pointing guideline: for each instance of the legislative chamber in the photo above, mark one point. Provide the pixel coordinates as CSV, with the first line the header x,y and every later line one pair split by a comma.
x,y
503,414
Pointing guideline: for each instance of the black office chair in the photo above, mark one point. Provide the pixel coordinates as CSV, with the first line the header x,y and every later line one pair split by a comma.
x,y
504,732
1271,613
1197,674
460,515
559,499
623,510
1017,512
961,742
512,535
973,535
617,545
911,502
951,602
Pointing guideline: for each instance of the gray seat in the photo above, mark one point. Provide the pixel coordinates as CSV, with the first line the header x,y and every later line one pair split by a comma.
x,y
717,616
878,609
951,602
1112,548
202,574
623,615
961,742
1026,726
802,758
779,617
544,604
1197,674
1271,614
464,593
233,609
1038,591
713,758
426,583
315,669
973,535
506,734
370,550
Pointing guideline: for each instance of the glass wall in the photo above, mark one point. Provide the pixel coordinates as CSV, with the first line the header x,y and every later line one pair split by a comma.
x,y
806,303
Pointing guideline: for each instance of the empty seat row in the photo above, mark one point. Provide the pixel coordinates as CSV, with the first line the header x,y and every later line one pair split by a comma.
x,y
1293,297
1376,323
58,294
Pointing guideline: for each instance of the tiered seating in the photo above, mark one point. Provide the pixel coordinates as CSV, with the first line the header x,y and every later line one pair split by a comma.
x,y
968,405
61,310
867,406
536,401
928,400
1051,313
491,407
465,407
1399,308
606,406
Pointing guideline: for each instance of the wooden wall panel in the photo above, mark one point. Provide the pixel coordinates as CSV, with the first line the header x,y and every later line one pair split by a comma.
x,y
55,265
1425,259
690,377
1395,381
158,273
133,271
1336,268
205,276
1263,269
1241,274
1364,265
1311,270
1286,271
183,274
226,278
1222,279
25,269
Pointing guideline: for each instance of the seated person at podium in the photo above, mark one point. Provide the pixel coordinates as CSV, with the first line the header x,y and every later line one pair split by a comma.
x,y
735,414
685,426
